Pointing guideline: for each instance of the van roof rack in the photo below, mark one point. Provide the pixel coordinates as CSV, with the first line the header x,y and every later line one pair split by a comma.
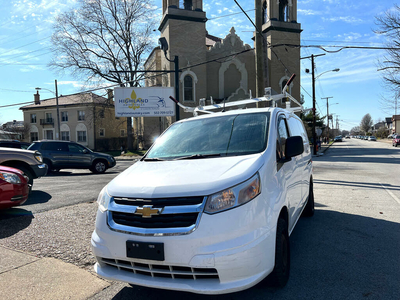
x,y
268,97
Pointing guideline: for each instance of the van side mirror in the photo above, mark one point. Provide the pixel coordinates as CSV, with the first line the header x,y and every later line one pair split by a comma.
x,y
294,146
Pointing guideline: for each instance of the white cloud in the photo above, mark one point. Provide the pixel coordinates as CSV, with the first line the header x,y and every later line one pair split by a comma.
x,y
308,12
350,20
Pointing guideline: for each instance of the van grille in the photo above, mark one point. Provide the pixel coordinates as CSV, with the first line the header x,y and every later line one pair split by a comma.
x,y
164,271
179,215
159,202
159,221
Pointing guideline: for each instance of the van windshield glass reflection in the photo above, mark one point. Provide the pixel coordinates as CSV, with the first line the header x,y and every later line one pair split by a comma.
x,y
212,137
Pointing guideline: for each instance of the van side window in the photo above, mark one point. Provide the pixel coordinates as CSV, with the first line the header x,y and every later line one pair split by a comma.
x,y
282,137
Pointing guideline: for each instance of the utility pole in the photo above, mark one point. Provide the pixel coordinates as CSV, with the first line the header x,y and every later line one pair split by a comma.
x,y
259,50
314,134
58,133
327,116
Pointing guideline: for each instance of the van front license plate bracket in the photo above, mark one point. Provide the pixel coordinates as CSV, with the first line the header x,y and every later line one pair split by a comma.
x,y
153,251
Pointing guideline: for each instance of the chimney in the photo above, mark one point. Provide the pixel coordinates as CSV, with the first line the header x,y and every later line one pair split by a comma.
x,y
110,95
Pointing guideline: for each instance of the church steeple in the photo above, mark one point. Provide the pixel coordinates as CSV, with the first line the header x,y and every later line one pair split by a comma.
x,y
280,27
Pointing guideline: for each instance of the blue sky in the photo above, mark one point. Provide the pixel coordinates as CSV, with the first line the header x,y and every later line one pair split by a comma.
x,y
26,28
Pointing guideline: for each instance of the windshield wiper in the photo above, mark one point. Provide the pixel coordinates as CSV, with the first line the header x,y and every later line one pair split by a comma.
x,y
153,159
196,156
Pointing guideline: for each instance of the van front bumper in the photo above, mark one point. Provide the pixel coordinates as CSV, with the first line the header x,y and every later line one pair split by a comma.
x,y
235,250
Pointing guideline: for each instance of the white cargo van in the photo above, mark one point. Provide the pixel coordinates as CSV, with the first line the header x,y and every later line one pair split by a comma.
x,y
210,207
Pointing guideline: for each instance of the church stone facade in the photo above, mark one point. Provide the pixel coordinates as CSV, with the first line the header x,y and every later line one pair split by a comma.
x,y
208,70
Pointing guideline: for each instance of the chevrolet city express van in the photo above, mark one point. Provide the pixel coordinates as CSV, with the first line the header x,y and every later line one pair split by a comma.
x,y
209,209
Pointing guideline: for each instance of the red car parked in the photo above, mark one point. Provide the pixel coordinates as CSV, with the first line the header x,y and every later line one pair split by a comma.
x,y
14,187
396,141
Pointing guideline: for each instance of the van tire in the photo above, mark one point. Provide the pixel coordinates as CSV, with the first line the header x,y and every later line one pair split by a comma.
x,y
280,275
309,209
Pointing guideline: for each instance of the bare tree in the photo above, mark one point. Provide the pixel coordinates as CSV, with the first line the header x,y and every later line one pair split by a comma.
x,y
100,38
366,123
389,64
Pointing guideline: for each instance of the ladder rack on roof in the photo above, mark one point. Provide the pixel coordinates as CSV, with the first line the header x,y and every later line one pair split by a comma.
x,y
267,98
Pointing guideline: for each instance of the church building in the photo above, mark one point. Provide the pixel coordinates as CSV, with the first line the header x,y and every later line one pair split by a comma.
x,y
221,68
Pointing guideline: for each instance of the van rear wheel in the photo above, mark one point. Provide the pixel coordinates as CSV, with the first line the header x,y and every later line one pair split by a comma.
x,y
280,275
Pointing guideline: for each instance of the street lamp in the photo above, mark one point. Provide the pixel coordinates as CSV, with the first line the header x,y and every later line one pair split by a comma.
x,y
327,117
58,111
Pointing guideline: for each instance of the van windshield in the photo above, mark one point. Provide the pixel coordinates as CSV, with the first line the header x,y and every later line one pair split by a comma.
x,y
239,134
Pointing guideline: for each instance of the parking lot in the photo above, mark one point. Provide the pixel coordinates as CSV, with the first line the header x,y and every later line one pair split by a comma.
x,y
348,250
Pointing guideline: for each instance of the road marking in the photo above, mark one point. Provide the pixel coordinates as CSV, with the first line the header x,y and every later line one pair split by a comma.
x,y
391,194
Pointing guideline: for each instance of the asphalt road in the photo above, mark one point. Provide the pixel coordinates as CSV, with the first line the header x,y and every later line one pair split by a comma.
x,y
67,187
348,250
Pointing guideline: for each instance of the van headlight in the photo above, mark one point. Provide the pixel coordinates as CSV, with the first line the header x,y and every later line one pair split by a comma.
x,y
234,196
103,200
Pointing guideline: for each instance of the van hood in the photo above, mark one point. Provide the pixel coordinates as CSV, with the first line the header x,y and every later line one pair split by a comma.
x,y
183,178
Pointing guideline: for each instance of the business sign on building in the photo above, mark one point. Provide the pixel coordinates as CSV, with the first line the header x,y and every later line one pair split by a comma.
x,y
144,102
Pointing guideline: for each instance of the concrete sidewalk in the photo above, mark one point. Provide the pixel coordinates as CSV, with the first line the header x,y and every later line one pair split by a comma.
x,y
24,276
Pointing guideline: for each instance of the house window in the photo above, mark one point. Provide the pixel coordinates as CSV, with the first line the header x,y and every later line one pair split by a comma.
x,y
33,118
122,132
49,118
102,132
48,134
64,116
188,88
34,136
81,115
101,114
65,135
81,136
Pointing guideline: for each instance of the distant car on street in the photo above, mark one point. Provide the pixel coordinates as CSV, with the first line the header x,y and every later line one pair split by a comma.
x,y
338,139
396,141
372,138
14,187
70,155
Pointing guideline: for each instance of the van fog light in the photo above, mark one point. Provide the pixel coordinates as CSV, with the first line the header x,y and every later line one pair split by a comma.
x,y
235,196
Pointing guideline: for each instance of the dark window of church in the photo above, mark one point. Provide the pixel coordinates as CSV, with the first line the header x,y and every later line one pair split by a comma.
x,y
188,88
283,10
186,4
265,13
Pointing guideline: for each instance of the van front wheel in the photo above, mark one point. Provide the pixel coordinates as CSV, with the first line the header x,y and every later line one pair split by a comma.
x,y
280,275
309,209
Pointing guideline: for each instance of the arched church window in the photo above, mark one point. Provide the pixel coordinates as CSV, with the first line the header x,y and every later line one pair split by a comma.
x,y
283,10
188,88
186,4
265,12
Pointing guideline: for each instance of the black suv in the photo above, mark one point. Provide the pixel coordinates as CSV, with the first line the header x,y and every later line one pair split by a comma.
x,y
70,155
14,144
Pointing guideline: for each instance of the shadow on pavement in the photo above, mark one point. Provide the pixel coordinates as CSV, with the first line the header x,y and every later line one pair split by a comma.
x,y
333,256
36,197
14,220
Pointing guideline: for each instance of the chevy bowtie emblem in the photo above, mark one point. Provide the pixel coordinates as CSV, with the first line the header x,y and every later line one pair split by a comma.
x,y
147,211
